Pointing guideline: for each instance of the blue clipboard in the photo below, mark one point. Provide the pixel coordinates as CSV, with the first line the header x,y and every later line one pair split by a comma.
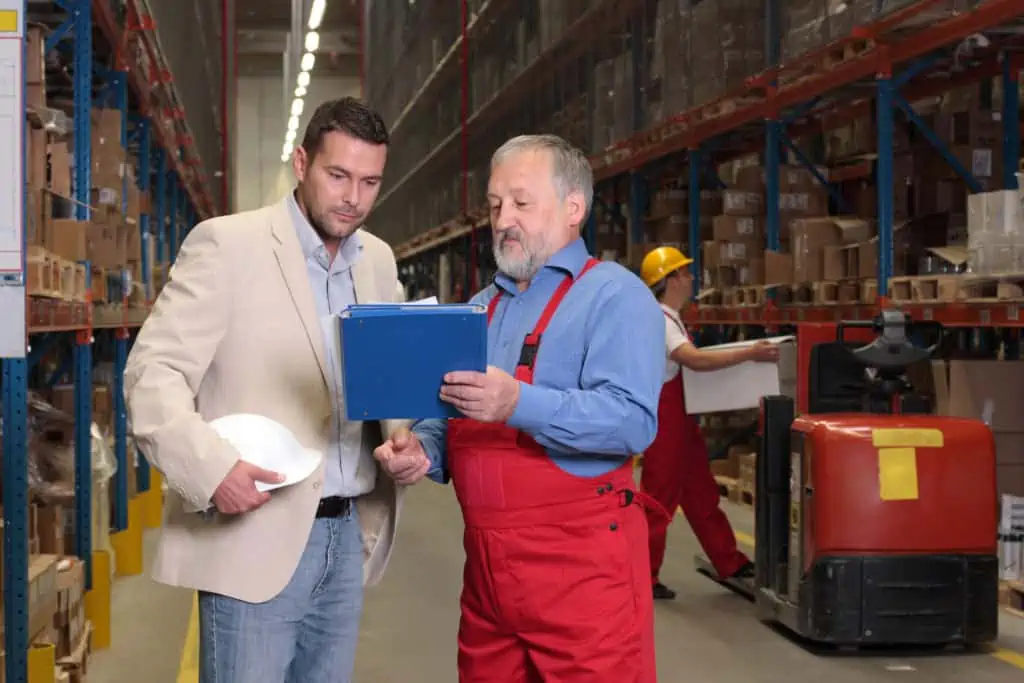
x,y
395,357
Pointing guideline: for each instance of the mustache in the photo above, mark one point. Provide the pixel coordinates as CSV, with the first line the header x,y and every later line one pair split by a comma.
x,y
508,235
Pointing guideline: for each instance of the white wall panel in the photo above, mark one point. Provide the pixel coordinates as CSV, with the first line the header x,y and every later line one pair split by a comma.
x,y
262,117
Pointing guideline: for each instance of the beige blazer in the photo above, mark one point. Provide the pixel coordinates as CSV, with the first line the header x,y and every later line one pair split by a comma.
x,y
235,330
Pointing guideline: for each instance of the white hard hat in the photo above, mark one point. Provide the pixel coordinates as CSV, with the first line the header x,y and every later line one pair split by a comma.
x,y
268,444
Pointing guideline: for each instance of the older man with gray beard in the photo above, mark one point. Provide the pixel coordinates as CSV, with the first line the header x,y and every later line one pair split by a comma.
x,y
557,580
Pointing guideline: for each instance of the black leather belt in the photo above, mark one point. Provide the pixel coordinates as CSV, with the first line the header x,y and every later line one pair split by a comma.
x,y
333,506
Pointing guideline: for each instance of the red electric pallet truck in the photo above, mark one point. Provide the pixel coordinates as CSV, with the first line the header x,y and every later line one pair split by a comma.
x,y
875,520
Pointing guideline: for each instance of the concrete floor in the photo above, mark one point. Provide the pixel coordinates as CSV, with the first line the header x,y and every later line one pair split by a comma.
x,y
408,634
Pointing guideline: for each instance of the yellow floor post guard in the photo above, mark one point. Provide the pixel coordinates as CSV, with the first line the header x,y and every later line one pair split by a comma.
x,y
127,544
97,600
42,664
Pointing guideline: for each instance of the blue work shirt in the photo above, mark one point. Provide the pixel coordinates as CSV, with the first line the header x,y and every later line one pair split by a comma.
x,y
598,371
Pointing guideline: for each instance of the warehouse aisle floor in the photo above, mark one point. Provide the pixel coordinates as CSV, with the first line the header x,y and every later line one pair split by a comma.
x,y
408,634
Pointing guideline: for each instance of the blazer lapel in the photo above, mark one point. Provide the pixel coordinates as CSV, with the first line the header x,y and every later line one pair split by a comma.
x,y
293,268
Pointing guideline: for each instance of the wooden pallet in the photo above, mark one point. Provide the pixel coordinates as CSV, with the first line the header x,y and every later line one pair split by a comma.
x,y
721,107
726,486
837,55
42,273
753,295
52,277
1011,596
950,288
76,665
807,294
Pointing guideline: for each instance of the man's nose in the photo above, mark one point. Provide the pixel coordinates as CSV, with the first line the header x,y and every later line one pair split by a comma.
x,y
350,193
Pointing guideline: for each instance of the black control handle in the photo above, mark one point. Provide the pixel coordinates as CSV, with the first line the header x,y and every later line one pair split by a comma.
x,y
893,350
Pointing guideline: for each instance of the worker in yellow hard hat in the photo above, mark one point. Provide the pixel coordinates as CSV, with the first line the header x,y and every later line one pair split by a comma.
x,y
676,468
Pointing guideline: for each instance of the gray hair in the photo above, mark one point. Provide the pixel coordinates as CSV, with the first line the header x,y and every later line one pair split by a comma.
x,y
570,167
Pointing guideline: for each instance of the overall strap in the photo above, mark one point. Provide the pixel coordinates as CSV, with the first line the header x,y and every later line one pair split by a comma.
x,y
528,355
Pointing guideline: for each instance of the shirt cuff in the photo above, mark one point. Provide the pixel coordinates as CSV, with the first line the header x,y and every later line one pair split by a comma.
x,y
534,409
434,448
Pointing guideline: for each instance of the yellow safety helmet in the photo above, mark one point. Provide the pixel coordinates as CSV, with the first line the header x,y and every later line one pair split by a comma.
x,y
660,263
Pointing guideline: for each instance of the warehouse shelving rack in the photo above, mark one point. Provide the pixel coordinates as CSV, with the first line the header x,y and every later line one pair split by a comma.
x,y
772,109
97,36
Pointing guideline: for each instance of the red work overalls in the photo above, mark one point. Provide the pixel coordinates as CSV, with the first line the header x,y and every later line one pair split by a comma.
x,y
555,585
677,473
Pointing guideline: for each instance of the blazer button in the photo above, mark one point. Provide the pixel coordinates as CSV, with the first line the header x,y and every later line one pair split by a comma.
x,y
316,486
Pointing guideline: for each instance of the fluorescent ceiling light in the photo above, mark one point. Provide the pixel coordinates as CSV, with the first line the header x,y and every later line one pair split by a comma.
x,y
312,41
307,62
297,105
316,14
293,123
300,91
289,137
303,79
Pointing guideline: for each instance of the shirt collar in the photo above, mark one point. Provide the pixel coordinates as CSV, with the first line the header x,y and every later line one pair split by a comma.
x,y
311,243
570,260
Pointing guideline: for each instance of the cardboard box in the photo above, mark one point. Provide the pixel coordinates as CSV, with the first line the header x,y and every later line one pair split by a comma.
x,y
742,386
988,390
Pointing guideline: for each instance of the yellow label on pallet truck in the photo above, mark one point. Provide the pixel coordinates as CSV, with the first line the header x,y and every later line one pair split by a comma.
x,y
897,459
9,22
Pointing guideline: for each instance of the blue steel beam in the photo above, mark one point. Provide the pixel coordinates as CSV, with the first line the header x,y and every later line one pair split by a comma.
x,y
144,178
773,128
172,229
14,388
936,142
884,105
161,205
41,345
1011,121
83,71
693,192
120,432
772,161
14,448
590,230
637,181
813,169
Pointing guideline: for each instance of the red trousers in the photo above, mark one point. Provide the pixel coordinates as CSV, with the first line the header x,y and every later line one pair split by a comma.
x,y
677,473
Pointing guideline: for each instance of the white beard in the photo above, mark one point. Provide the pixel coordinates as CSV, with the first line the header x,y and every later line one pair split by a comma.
x,y
520,268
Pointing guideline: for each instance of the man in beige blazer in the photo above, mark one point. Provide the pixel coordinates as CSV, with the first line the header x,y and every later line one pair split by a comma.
x,y
244,326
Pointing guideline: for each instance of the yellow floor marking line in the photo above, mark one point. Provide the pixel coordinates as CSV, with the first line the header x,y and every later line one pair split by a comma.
x,y
188,669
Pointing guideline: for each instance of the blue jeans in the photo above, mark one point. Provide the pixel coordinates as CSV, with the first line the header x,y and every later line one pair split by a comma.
x,y
307,633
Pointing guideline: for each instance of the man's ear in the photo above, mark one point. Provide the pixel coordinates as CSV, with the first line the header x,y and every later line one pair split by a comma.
x,y
300,163
576,205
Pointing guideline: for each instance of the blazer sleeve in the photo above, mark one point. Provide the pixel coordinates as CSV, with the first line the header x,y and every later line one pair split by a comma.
x,y
168,362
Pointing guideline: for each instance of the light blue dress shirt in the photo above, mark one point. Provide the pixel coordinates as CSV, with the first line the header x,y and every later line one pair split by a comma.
x,y
350,470
598,372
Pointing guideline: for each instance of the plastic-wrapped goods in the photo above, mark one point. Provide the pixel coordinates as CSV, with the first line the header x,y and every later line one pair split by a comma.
x,y
995,221
810,24
668,88
726,46
51,453
935,12
1011,538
